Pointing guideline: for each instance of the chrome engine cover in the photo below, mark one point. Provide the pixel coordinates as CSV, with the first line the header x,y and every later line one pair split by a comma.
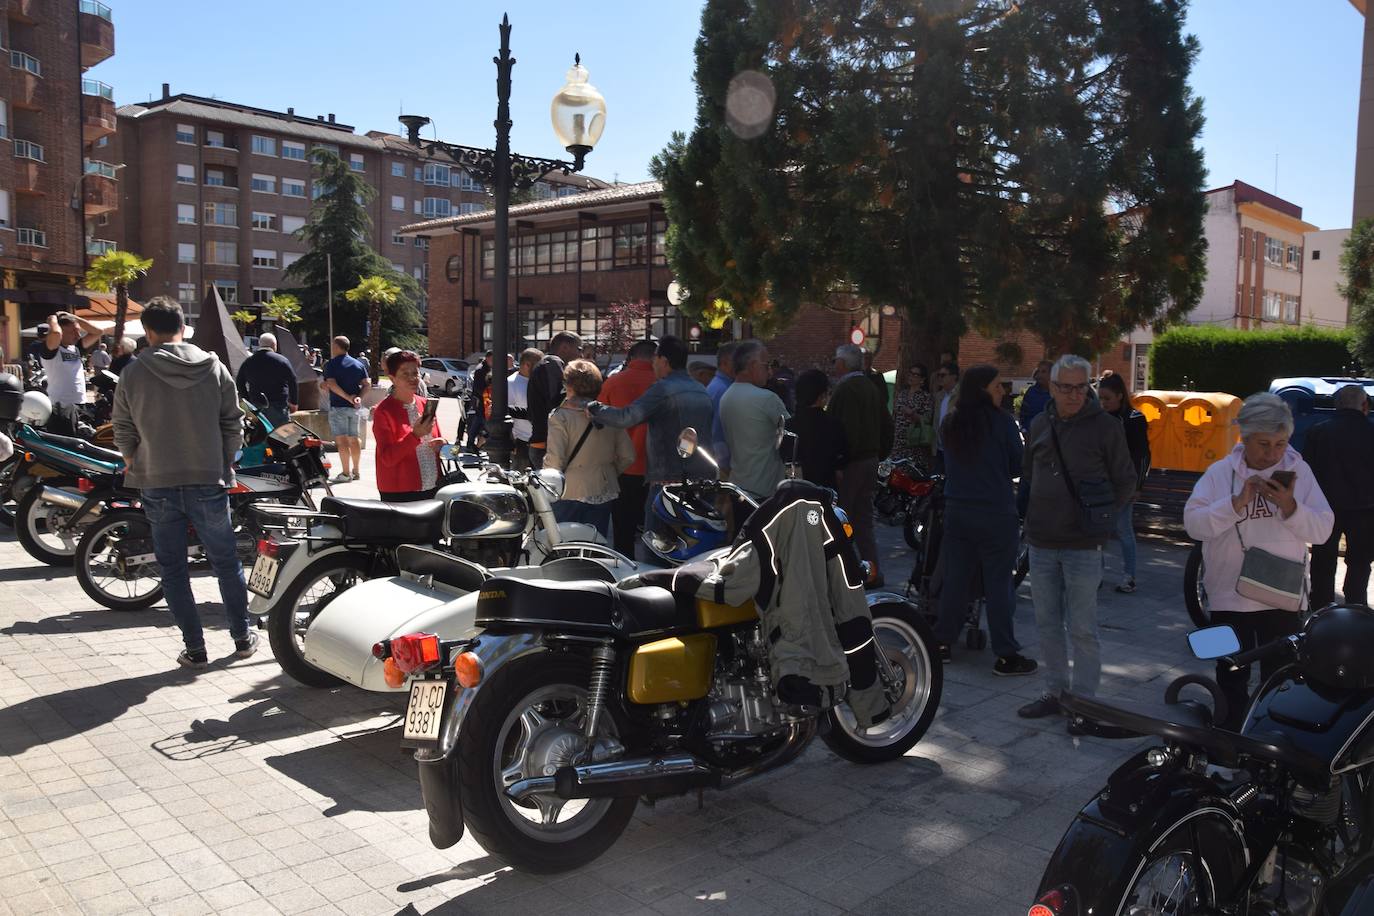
x,y
484,510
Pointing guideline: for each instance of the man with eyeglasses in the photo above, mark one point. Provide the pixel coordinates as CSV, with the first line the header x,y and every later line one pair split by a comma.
x,y
1073,443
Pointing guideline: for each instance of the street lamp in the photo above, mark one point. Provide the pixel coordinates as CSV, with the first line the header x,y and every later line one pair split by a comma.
x,y
579,115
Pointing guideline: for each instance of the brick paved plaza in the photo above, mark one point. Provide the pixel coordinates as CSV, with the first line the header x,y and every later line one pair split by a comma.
x,y
129,785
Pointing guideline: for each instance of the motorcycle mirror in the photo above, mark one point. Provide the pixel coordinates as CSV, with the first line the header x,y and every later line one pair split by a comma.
x,y
552,481
686,442
446,452
1214,642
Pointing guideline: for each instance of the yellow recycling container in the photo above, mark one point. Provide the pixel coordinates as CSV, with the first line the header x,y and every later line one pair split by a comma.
x,y
1188,430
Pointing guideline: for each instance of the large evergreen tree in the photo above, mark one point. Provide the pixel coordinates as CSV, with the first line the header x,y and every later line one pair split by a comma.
x,y
339,226
975,163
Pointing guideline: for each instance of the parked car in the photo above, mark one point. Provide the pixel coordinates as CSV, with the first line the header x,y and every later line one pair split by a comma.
x,y
1312,400
442,373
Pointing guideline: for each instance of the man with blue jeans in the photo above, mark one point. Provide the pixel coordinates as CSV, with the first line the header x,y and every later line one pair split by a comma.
x,y
178,425
1066,559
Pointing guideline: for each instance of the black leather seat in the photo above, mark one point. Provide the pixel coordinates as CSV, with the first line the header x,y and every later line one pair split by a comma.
x,y
452,571
581,606
79,446
402,523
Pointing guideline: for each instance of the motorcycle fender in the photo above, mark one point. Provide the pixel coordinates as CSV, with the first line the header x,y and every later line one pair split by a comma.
x,y
877,599
300,557
437,765
1110,840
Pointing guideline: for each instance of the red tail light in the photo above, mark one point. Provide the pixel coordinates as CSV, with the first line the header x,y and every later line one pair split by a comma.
x,y
267,547
415,651
84,485
1051,903
311,442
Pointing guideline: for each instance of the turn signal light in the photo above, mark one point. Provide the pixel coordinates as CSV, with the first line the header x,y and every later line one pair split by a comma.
x,y
84,485
393,676
415,651
468,668
267,547
1051,903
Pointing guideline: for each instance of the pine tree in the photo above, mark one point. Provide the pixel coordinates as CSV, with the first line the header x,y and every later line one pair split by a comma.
x,y
975,163
339,226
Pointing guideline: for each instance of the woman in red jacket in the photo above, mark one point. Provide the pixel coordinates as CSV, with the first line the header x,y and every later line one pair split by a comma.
x,y
407,445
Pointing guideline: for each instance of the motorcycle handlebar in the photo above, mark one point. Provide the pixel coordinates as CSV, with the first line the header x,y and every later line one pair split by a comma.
x,y
1268,650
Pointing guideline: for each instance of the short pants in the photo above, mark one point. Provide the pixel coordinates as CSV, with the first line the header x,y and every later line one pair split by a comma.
x,y
343,421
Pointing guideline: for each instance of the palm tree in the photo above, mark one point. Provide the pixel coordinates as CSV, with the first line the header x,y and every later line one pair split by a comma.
x,y
113,271
242,318
376,291
282,308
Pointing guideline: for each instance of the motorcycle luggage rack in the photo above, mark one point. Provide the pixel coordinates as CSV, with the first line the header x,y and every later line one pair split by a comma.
x,y
276,517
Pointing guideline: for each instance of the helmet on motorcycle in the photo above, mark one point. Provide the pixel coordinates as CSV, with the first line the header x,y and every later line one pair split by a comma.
x,y
36,408
1336,645
686,524
10,382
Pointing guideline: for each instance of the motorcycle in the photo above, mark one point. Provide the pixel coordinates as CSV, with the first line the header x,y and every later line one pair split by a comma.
x,y
903,488
540,734
307,560
1277,818
115,564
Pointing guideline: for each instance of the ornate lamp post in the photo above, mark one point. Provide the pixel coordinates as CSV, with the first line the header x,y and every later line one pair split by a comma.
x,y
579,115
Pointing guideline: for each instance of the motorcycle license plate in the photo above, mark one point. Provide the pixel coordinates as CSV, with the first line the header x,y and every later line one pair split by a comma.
x,y
264,575
424,711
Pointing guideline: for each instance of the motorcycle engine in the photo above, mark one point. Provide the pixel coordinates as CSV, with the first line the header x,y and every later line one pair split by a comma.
x,y
741,703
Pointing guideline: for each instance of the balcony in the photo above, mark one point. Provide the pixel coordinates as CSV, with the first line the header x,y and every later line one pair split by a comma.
x,y
96,247
96,24
26,81
26,11
33,238
28,177
98,110
99,192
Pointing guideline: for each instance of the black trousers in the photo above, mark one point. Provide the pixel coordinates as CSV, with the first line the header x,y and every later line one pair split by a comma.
x,y
1358,528
627,513
1255,628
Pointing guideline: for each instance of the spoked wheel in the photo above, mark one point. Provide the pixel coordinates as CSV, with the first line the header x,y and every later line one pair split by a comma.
x,y
115,563
1194,591
526,723
7,471
39,528
908,644
919,517
301,601
1174,883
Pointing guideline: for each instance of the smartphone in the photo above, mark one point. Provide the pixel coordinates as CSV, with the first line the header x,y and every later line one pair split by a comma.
x,y
431,408
1283,478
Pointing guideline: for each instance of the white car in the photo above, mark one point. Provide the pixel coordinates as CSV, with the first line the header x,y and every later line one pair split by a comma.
x,y
444,374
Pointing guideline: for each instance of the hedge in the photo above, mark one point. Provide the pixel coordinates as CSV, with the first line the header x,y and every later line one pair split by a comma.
x,y
1242,362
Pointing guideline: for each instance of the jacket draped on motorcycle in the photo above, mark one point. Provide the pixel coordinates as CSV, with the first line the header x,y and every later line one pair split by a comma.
x,y
795,559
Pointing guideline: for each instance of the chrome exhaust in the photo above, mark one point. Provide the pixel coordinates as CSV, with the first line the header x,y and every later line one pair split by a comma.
x,y
63,498
621,778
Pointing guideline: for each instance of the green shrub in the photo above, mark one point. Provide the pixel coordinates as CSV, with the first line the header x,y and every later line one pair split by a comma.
x,y
1242,362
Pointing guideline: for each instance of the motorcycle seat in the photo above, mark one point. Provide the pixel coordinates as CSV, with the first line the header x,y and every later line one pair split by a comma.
x,y
79,446
445,568
373,520
1184,726
584,606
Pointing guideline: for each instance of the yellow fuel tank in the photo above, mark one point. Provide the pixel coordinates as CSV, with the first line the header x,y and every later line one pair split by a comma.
x,y
711,615
677,668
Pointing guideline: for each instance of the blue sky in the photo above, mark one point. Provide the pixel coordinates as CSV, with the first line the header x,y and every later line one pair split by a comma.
x,y
1277,76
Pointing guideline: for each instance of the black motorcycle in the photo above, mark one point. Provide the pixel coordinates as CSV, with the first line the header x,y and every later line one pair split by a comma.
x,y
1275,819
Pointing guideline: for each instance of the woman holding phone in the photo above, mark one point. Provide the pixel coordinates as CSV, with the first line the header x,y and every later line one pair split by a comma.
x,y
1260,497
407,434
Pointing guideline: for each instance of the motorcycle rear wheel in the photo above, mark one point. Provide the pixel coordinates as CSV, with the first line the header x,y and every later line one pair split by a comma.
x,y
97,568
1194,591
32,518
1175,880
301,601
909,645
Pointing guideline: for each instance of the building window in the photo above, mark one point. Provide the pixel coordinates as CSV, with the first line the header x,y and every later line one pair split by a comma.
x,y
186,134
5,120
4,209
1316,254
21,61
398,202
422,242
292,223
186,174
218,252
214,177
331,147
399,268
267,184
1290,309
1273,305
35,238
467,207
290,149
355,162
219,214
186,293
215,138
288,258
186,253
436,174
186,214
453,268
631,245
228,291
465,182
419,205
436,207
292,187
264,258
397,238
398,170
1273,251
264,146
262,295
419,174
27,149
267,222
1294,258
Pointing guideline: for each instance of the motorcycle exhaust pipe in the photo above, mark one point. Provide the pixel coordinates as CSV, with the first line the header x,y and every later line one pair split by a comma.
x,y
622,778
62,498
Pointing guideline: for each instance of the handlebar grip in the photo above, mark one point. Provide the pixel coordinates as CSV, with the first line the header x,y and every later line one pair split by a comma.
x,y
1258,654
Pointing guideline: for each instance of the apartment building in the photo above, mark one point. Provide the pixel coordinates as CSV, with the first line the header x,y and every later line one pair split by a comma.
x,y
215,192
57,123
1322,302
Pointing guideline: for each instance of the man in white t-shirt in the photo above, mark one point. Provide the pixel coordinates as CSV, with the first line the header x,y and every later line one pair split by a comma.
x,y
68,340
517,405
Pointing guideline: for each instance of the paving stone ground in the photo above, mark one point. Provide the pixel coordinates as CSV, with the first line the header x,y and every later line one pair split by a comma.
x,y
129,785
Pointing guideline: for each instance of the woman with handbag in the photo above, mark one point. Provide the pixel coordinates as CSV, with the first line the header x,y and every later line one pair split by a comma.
x,y
912,412
591,457
1257,513
408,438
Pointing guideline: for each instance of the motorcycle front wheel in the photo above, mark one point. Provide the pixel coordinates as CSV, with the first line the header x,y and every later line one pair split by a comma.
x,y
35,524
906,640
1194,591
104,567
300,603
527,722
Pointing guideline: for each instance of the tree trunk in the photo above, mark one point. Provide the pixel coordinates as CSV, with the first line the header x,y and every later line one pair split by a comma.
x,y
374,337
121,313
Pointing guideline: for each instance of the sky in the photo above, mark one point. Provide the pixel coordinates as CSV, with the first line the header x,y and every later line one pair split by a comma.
x,y
1277,77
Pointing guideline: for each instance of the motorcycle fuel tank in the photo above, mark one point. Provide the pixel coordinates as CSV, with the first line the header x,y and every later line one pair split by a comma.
x,y
1331,724
484,510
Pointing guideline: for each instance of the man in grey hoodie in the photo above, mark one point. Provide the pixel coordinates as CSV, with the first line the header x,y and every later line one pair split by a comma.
x,y
177,424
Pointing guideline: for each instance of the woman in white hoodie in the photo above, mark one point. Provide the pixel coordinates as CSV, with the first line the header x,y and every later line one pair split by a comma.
x,y
1237,501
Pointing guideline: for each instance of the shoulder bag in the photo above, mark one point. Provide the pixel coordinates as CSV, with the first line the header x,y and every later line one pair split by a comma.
x,y
1096,499
1272,580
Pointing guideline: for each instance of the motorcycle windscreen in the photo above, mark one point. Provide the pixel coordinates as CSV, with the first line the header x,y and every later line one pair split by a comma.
x,y
341,637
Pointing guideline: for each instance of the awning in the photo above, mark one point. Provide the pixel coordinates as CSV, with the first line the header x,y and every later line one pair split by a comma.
x,y
102,306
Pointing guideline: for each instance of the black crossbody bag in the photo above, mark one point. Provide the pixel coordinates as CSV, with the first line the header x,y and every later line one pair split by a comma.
x,y
1096,499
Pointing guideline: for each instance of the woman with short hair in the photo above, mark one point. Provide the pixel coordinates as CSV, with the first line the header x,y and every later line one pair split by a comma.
x,y
1116,400
591,457
407,443
1263,496
912,411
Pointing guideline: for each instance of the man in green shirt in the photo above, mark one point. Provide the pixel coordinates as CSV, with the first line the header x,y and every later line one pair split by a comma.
x,y
858,406
752,418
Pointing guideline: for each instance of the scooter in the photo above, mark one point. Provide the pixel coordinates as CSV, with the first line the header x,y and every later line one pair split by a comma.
x,y
1277,818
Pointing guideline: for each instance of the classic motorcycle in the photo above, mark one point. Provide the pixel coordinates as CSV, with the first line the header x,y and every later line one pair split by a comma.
x,y
579,697
902,488
1275,819
306,560
115,564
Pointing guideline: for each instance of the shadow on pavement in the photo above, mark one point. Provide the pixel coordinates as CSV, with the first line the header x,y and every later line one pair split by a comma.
x,y
35,574
89,622
474,869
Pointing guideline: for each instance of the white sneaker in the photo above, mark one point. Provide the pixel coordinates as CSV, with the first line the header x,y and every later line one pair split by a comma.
x,y
341,477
